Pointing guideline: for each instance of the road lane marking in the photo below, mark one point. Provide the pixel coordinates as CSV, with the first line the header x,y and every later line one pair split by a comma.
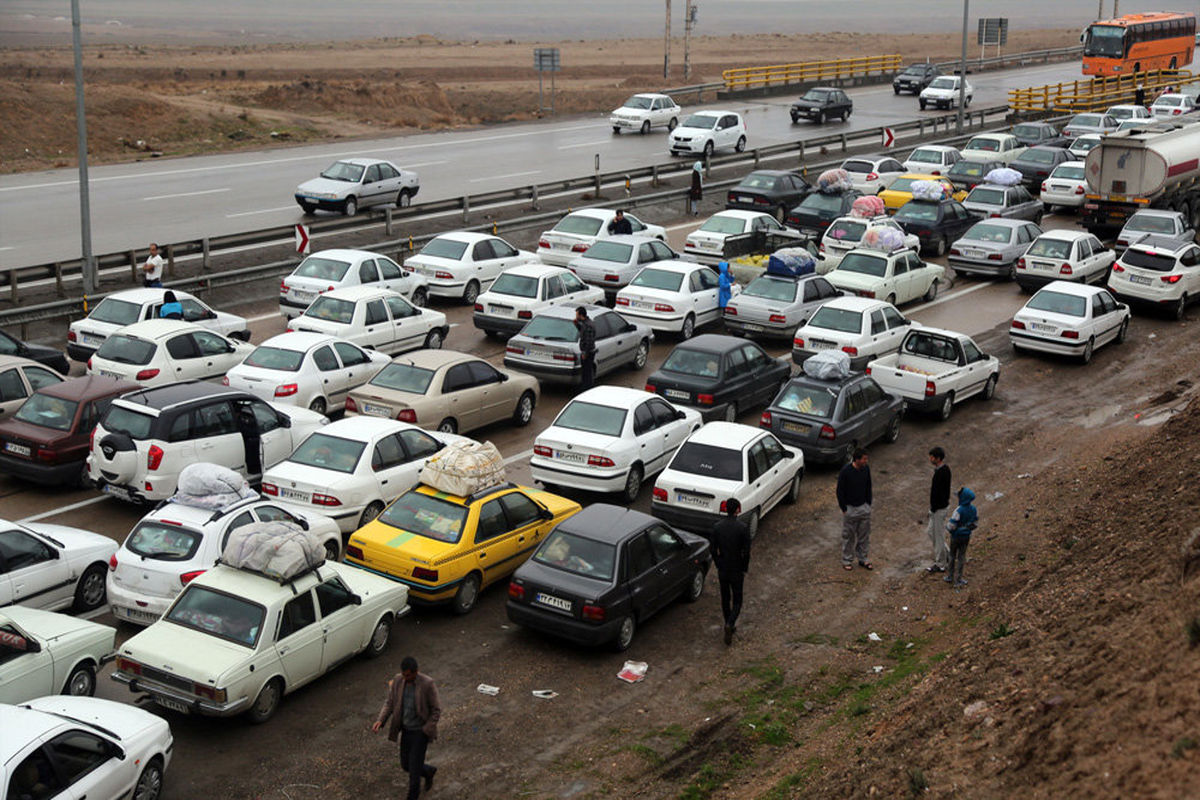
x,y
521,455
185,194
265,317
585,144
950,296
260,211
64,509
502,177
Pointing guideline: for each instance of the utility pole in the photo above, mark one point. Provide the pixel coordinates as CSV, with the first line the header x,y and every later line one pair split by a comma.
x,y
1100,10
962,72
689,20
1116,8
667,44
85,214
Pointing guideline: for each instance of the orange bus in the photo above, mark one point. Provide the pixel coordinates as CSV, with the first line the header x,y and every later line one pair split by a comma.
x,y
1139,42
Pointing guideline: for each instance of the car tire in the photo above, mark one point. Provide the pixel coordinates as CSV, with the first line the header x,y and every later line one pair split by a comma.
x,y
752,523
640,355
90,591
846,114
1089,350
420,297
932,293
695,586
895,90
524,410
633,484
625,632
617,130
708,149
942,246
741,144
645,127
150,783
967,104
333,551
672,124
1012,271
318,405
893,430
267,702
82,479
794,489
1123,332
448,425
381,637
81,682
731,412
350,207
467,595
689,327
922,104
307,208
404,199
1037,220
471,293
1180,306
433,339
891,299
947,407
373,510
989,388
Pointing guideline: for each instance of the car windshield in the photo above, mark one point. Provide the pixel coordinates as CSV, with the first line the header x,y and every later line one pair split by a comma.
x,y
1106,41
1134,257
989,232
914,69
323,451
324,269
723,224
699,363
864,264
926,156
836,319
916,211
756,180
331,309
1036,156
1086,121
120,419
162,541
1058,303
209,611
705,121
276,358
719,463
515,285
443,247
344,171
127,350
968,169
1068,173
116,312
1027,131
847,230
771,287
592,417
651,278
943,83
431,517
571,553
551,329
47,412
608,250
637,101
1050,248
403,378
805,398
855,165
817,95
990,197
1147,223
579,225
987,144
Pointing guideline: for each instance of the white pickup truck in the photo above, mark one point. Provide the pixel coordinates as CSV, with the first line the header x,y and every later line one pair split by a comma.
x,y
936,368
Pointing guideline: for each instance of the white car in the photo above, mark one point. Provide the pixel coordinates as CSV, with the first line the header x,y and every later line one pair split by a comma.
x,y
1064,255
943,92
1069,319
104,750
354,183
1081,145
134,305
932,159
1065,187
611,263
704,132
42,652
352,468
869,174
337,269
610,439
460,265
645,111
992,147
672,296
309,370
1131,111
1133,123
899,276
52,566
20,378
1172,105
582,228
521,292
706,244
177,542
161,351
862,328
236,641
1165,276
375,318
846,233
726,460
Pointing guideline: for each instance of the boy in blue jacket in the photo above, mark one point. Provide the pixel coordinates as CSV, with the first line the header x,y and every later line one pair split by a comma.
x,y
961,523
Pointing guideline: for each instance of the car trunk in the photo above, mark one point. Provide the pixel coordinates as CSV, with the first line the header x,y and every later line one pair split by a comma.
x,y
304,290
175,654
558,591
153,576
23,440
573,446
681,493
259,381
296,483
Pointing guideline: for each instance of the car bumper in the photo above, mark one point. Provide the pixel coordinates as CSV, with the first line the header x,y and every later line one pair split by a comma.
x,y
445,288
700,522
346,519
291,308
418,593
771,329
1059,345
320,202
924,405
80,352
687,147
857,363
813,454
179,701
135,607
973,266
1144,295
548,471
1069,199
1026,280
560,625
36,472
490,322
628,124
656,322
556,258
547,372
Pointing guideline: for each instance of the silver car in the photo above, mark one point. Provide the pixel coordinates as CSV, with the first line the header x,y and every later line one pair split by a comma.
x,y
775,305
992,247
548,346
354,183
1163,224
988,200
611,263
1090,123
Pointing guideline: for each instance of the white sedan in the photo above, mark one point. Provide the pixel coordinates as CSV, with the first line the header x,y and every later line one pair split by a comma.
x,y
352,468
992,147
724,460
707,243
354,183
846,233
520,293
161,351
53,566
20,378
645,111
579,230
609,439
611,263
898,276
376,318
42,652
1065,187
863,328
1064,255
460,265
672,296
1069,319
1172,105
337,269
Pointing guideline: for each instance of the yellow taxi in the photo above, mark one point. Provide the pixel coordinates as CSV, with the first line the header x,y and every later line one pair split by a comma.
x,y
899,191
445,547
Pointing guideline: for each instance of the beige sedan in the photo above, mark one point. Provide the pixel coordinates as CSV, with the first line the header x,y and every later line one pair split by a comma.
x,y
19,378
446,391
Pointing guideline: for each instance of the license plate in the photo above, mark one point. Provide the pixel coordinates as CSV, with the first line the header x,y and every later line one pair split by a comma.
x,y
105,373
20,450
135,614
745,199
376,411
753,328
292,494
690,500
640,304
1041,265
1139,279
505,310
88,339
552,601
174,705
1058,188
676,394
813,344
117,491
563,455
972,253
795,427
1037,326
303,297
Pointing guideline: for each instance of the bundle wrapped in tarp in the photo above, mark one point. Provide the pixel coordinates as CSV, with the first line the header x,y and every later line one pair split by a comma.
x,y
279,550
927,190
827,365
834,181
206,485
867,207
1003,176
463,468
883,238
791,262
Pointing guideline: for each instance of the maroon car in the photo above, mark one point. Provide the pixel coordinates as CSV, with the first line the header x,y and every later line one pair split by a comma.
x,y
48,439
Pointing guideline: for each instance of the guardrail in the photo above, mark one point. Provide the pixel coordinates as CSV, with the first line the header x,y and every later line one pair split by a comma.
x,y
807,71
1097,94
1028,57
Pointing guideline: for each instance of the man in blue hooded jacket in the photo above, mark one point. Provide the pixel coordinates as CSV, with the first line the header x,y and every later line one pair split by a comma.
x,y
961,523
724,284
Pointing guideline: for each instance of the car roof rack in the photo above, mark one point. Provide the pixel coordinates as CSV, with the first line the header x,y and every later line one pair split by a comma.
x,y
484,492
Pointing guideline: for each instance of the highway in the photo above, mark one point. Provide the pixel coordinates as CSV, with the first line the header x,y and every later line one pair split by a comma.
x,y
187,198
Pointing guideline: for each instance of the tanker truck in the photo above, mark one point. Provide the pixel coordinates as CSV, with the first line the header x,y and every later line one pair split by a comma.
x,y
1156,166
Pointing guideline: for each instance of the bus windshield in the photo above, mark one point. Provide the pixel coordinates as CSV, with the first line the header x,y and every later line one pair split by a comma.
x,y
1106,41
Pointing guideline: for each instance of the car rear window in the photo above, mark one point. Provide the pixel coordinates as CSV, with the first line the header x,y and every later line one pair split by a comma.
x,y
756,180
986,144
1086,120
593,418
720,463
579,225
772,288
331,309
1058,303
1050,248
1150,224
324,269
722,224
847,230
606,250
914,211
208,611
926,156
1068,173
1027,131
1036,156
126,349
323,451
116,312
902,184
855,165
276,358
515,285
836,319
163,542
808,399
1133,258
404,378
572,553
686,361
989,232
419,513
119,419
441,247
991,197
863,264
47,412
666,280
829,203
967,169
551,329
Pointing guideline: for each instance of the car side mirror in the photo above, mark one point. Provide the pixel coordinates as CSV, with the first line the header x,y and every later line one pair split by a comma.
x,y
302,522
680,415
285,422
545,514
356,600
32,646
115,752
908,322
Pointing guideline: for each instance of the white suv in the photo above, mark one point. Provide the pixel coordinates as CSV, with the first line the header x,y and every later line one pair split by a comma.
x,y
1164,274
645,111
706,131
943,93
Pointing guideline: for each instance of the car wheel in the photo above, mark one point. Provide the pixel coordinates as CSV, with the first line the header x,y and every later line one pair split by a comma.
x,y
1179,307
81,682
370,512
524,411
922,104
672,124
689,327
1012,271
752,523
947,407
267,702
420,297
645,127
794,489
1038,219
893,430
820,117
466,596
932,293
846,114
308,208
1088,350
433,339
82,479
380,637
1123,332
333,552
617,130
633,484
471,293
967,104
90,592
404,199
150,782
731,412
895,90
891,299
641,354
795,119
318,405
989,388
741,144
695,586
448,425
940,250
350,207
625,634
708,149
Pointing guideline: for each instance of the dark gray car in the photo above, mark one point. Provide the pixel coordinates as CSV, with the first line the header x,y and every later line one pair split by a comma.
x,y
548,346
1036,164
1012,202
775,305
992,247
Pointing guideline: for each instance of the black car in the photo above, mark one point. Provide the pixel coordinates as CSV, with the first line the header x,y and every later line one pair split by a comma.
x,y
1032,134
1036,164
937,223
827,419
967,174
48,356
819,209
720,376
821,103
604,571
771,190
914,78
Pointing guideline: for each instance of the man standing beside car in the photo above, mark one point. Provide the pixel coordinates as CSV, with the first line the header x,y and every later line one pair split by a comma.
x,y
854,499
587,348
619,224
413,706
731,555
152,269
939,505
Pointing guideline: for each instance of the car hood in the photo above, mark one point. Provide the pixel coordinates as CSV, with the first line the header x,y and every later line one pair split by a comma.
x,y
51,625
188,653
683,130
326,186
125,720
74,539
802,103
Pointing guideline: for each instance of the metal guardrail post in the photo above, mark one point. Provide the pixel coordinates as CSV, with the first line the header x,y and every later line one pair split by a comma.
x,y
653,175
466,206
533,197
58,282
205,257
12,284
170,260
133,272
843,142
387,221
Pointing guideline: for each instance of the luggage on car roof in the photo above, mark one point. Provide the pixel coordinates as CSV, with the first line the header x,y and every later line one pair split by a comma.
x,y
464,468
279,550
212,486
791,262
827,365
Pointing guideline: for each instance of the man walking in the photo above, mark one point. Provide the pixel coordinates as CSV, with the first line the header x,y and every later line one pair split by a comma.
x,y
939,506
731,555
152,269
587,348
412,704
854,499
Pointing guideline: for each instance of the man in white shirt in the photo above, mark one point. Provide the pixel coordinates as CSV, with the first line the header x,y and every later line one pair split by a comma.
x,y
153,268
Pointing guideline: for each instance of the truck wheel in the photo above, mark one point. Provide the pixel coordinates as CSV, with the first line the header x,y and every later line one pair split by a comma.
x,y
947,407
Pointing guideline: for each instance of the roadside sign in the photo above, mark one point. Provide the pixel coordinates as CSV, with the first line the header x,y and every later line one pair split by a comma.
x,y
302,239
992,31
889,138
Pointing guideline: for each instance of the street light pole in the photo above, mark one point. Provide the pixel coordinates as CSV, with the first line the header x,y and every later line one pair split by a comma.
x,y
667,44
962,73
85,214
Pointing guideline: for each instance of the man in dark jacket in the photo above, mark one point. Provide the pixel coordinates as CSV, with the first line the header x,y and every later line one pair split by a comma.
x,y
731,556
413,706
619,224
939,506
587,348
854,499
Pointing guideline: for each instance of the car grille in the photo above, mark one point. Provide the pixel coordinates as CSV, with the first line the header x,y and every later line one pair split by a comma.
x,y
166,679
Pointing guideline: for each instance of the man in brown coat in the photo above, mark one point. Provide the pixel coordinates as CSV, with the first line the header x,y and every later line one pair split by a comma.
x,y
412,704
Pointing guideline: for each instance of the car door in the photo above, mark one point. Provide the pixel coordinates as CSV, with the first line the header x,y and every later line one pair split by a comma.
x,y
13,392
1081,260
378,333
483,266
217,354
391,275
899,282
464,400
762,385
976,368
389,183
674,568
874,402
641,576
648,437
880,340
184,359
418,447
373,187
496,401
672,426
614,345
896,326
299,642
216,437
704,286
777,478
1190,261
357,367
408,324
494,544
335,381
342,624
553,293
757,479
37,572
88,766
367,273
573,287
26,666
729,131
274,438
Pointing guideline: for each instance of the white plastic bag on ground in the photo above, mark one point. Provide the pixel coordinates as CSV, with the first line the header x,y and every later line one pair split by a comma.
x,y
927,190
1003,176
463,468
206,485
279,550
827,365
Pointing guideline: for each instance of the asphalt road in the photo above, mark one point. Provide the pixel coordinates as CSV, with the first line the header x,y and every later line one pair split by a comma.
x,y
187,198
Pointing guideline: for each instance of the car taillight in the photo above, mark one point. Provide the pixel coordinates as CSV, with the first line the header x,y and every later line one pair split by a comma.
x,y
112,562
479,306
798,342
660,494
793,220
543,243
871,176
542,450
864,293
821,247
994,216
209,692
1117,267
351,405
70,336
867,369
47,455
765,420
930,389
407,415
704,399
572,357
600,461
1043,186
1065,269
762,201
353,551
325,500
128,665
664,307
271,489
423,574
777,318
827,432
188,577
514,349
146,374
611,277
286,390
651,388
954,251
622,301
443,275
154,457
730,198
225,381
593,613
524,315
1020,263
579,248
1078,190
1170,278
730,311
1070,334
283,287
516,591
1016,323
936,172
850,351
